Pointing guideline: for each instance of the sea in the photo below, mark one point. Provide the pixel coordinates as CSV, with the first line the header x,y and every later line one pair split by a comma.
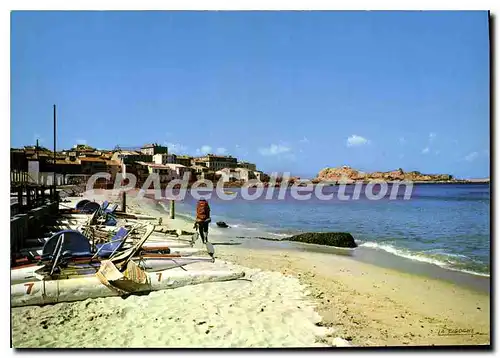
x,y
446,225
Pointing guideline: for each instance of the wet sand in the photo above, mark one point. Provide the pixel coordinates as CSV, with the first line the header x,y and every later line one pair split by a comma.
x,y
374,306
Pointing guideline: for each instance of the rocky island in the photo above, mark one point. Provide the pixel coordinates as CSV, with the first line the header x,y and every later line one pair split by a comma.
x,y
346,174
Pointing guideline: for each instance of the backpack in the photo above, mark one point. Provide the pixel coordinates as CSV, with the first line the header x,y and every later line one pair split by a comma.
x,y
202,211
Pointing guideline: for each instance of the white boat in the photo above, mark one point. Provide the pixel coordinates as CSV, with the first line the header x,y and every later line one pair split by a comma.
x,y
158,245
188,251
185,250
78,289
155,236
152,243
152,240
80,268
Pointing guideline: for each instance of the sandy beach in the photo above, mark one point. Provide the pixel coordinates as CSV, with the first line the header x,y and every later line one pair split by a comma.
x,y
265,309
288,298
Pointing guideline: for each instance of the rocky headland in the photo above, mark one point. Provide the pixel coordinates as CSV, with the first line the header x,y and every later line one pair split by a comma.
x,y
346,174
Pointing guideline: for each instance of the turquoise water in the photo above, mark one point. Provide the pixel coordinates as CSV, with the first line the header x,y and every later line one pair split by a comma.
x,y
446,225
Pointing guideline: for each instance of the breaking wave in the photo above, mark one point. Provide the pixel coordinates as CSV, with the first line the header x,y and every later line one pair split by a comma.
x,y
436,257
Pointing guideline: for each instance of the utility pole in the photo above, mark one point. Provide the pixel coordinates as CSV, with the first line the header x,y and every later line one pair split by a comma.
x,y
54,181
172,209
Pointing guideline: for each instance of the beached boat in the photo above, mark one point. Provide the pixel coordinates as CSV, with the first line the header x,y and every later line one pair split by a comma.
x,y
152,243
69,254
110,241
148,247
159,231
54,291
91,211
84,266
71,245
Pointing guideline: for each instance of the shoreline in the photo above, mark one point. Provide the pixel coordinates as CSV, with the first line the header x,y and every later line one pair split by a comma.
x,y
373,305
366,252
364,182
404,182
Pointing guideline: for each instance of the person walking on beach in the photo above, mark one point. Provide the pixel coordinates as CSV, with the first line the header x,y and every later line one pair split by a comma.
x,y
203,219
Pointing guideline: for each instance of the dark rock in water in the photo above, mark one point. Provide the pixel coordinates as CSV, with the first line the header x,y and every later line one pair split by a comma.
x,y
222,224
337,239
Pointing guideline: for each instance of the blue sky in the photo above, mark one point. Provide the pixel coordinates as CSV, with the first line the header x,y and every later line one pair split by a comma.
x,y
294,91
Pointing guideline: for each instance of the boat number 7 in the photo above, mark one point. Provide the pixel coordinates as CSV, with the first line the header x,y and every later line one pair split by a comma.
x,y
29,286
159,276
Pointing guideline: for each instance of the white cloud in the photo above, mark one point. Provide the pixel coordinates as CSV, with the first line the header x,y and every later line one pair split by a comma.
x,y
176,148
402,140
274,149
304,140
221,150
356,140
425,150
470,157
432,136
205,149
